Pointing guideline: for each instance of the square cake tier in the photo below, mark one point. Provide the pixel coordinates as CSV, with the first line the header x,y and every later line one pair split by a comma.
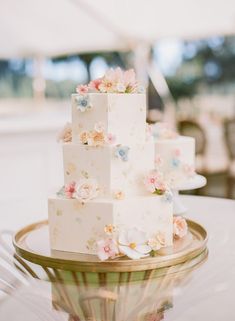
x,y
122,115
111,172
76,227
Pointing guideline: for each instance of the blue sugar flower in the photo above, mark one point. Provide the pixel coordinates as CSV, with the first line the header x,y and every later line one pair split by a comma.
x,y
168,196
122,152
83,102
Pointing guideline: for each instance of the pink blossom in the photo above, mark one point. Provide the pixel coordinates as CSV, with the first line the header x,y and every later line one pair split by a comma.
x,y
111,139
154,181
82,89
129,79
94,84
106,249
180,227
70,189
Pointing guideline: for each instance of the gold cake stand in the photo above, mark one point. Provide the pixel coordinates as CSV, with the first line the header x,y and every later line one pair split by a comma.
x,y
32,244
122,289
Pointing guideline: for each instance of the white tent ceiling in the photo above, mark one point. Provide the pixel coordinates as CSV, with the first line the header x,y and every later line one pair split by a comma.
x,y
57,27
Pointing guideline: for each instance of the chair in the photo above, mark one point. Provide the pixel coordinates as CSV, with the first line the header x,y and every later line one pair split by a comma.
x,y
211,167
229,127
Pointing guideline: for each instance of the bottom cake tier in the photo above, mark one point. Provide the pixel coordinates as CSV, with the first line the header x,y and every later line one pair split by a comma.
x,y
77,227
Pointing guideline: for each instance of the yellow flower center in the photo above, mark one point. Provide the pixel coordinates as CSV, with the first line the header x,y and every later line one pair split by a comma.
x,y
132,245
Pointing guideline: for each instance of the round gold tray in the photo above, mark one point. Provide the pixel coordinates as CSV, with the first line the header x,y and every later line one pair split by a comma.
x,y
32,243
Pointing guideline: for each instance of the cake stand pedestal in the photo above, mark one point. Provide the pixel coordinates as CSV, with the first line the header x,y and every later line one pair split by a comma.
x,y
193,183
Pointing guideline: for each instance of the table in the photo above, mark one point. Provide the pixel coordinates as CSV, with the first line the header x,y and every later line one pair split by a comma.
x,y
206,293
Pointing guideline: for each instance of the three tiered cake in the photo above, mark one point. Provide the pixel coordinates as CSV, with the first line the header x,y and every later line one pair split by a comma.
x,y
114,202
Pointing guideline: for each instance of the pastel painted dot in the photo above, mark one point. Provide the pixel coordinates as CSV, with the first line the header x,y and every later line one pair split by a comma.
x,y
59,212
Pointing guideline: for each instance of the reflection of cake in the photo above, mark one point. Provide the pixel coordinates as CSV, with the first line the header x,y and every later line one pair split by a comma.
x,y
174,155
113,202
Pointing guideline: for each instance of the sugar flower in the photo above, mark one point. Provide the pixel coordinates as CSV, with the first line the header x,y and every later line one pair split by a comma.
x,y
109,229
122,152
109,81
120,87
114,81
83,103
82,89
157,242
99,127
106,249
154,182
119,195
168,196
66,134
86,189
180,227
70,189
133,243
94,84
96,138
84,137
129,77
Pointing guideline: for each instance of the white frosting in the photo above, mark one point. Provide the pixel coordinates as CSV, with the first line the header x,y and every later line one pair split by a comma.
x,y
123,198
123,115
175,158
75,227
110,172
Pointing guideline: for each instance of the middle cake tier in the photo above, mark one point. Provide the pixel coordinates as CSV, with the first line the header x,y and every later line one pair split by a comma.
x,y
115,168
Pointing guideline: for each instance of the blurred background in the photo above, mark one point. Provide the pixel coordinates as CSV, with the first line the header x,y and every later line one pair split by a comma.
x,y
183,51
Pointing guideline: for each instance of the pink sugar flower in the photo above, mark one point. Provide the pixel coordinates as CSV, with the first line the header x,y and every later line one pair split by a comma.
x,y
129,79
82,89
110,80
94,84
106,249
70,189
154,182
180,227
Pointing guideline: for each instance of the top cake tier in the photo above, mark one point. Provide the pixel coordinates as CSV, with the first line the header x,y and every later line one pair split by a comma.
x,y
121,115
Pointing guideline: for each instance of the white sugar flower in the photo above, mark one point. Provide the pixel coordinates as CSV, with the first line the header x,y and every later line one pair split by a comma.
x,y
133,243
157,241
99,127
86,189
